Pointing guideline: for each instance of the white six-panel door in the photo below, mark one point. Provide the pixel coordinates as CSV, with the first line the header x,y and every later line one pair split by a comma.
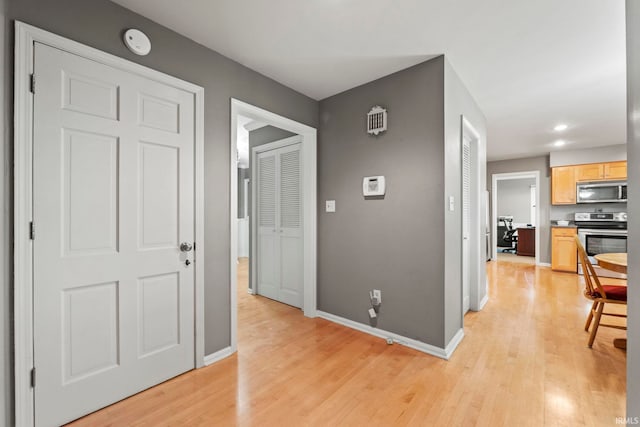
x,y
280,222
113,201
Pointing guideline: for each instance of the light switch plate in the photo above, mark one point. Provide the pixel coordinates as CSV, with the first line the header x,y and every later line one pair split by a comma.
x,y
330,206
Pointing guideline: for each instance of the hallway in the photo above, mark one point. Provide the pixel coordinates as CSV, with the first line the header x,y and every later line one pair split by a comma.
x,y
524,361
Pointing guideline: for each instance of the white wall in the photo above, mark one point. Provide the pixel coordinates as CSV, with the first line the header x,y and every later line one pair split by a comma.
x,y
514,199
458,102
609,153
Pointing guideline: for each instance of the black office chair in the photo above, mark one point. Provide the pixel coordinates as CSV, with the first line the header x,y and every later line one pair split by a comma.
x,y
509,235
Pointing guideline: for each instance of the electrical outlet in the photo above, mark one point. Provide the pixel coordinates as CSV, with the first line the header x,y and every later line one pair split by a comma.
x,y
372,313
377,295
330,206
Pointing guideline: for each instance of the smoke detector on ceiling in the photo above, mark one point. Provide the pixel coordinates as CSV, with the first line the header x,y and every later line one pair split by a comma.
x,y
137,42
376,120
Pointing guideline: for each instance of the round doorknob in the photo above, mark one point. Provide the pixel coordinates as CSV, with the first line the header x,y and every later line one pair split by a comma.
x,y
186,247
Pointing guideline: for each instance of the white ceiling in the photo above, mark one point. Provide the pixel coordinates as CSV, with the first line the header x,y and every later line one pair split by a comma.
x,y
529,64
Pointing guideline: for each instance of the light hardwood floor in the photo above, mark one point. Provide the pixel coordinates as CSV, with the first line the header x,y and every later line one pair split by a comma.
x,y
524,361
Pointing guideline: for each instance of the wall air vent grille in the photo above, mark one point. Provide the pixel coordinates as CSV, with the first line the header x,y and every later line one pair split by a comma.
x,y
377,120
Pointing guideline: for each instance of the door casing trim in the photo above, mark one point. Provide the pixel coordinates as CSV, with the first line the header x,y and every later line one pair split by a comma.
x,y
25,37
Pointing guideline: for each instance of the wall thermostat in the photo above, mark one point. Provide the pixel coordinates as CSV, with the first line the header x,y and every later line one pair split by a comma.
x,y
373,186
137,42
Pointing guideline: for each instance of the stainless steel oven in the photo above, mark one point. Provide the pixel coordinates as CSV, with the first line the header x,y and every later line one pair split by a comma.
x,y
602,233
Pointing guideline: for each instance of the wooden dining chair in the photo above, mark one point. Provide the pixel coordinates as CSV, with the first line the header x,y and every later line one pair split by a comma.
x,y
600,295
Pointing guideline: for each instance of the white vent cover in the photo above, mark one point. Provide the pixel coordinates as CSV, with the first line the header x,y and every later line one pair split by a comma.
x,y
377,120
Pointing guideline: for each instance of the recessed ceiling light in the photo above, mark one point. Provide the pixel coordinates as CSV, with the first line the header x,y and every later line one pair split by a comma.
x,y
560,127
559,143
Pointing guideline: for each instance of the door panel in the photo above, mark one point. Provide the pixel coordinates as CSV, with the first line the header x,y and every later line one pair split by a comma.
x,y
268,274
292,276
268,244
90,95
466,221
90,192
90,330
113,197
280,221
158,313
159,182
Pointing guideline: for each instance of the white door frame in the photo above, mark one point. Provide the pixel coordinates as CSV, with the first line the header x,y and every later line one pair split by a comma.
x,y
254,191
477,262
309,155
494,207
25,37
245,203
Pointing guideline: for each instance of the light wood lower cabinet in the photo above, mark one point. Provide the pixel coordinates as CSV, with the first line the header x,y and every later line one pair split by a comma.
x,y
564,251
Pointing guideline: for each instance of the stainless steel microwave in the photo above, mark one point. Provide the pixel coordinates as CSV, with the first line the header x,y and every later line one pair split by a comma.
x,y
601,192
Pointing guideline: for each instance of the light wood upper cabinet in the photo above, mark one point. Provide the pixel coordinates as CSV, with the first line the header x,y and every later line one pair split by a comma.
x,y
564,179
592,172
601,171
564,251
615,170
563,185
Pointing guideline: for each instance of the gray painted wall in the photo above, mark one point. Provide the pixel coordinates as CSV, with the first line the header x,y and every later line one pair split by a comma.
x,y
609,153
541,164
633,153
394,244
514,198
265,135
457,103
99,23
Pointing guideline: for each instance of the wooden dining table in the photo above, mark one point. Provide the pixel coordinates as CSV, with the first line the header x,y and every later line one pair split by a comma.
x,y
615,262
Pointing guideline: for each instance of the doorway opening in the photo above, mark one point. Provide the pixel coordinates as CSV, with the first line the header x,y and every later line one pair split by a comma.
x,y
515,217
273,210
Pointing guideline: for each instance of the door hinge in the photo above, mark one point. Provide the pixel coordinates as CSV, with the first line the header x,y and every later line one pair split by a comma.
x,y
32,231
32,83
33,377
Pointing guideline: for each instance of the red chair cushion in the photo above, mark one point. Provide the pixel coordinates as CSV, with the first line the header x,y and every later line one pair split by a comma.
x,y
615,292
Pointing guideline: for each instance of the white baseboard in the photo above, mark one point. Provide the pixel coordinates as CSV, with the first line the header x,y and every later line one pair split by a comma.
x,y
483,302
218,355
409,342
544,264
453,344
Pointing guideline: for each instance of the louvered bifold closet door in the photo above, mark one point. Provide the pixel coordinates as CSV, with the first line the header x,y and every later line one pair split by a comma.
x,y
268,247
466,221
290,224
